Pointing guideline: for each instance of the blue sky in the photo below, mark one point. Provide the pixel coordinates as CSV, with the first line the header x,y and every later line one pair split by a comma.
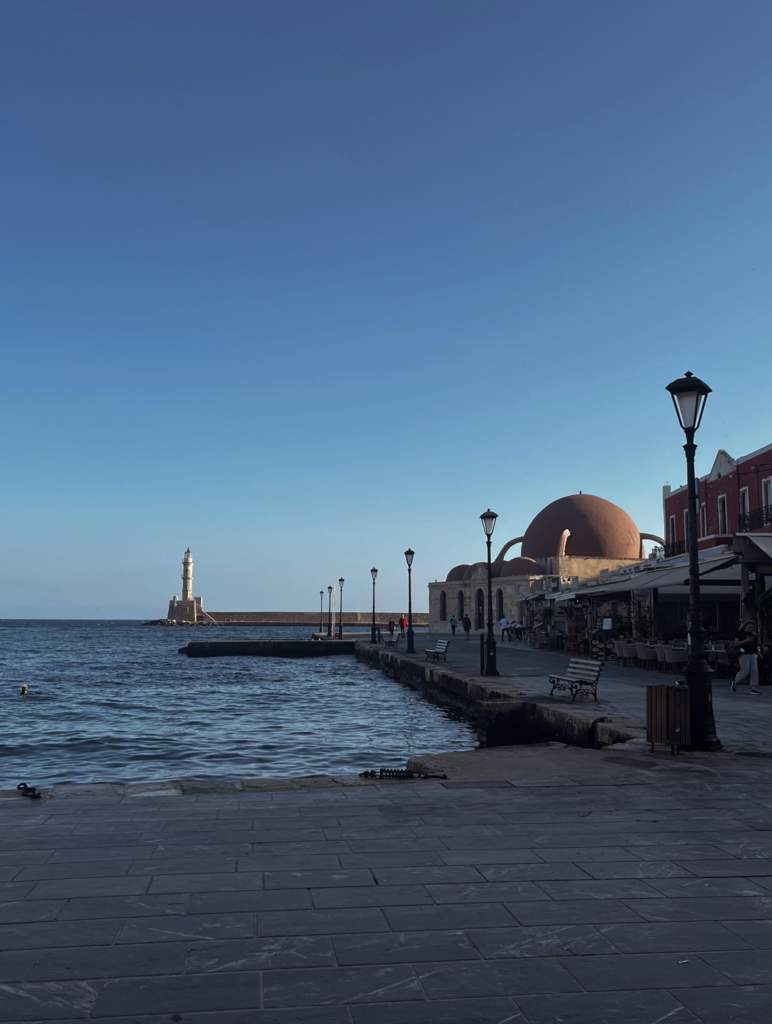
x,y
302,284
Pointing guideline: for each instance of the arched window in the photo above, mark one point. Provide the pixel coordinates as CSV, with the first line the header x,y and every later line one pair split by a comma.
x,y
443,607
480,610
500,603
461,604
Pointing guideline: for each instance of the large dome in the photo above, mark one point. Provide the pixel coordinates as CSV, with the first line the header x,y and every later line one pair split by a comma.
x,y
599,529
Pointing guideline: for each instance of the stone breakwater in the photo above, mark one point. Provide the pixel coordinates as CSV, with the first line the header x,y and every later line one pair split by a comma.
x,y
499,717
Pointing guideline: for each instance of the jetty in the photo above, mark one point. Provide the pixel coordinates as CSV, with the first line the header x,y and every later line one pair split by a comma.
x,y
267,648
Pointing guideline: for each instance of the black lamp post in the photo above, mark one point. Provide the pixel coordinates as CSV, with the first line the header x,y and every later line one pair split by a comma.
x,y
329,611
409,556
321,612
373,638
489,521
341,581
689,396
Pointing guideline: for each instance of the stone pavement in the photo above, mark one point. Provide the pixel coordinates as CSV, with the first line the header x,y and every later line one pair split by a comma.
x,y
581,887
743,720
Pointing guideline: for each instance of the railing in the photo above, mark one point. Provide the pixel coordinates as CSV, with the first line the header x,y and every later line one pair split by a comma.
x,y
755,520
676,547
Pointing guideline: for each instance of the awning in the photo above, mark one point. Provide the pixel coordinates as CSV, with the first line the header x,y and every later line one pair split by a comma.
x,y
762,541
648,579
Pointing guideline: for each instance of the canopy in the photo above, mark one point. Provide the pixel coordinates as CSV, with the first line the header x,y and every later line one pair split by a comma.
x,y
647,579
762,541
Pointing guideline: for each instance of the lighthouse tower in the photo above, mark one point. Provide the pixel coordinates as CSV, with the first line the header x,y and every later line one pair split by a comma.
x,y
187,576
189,610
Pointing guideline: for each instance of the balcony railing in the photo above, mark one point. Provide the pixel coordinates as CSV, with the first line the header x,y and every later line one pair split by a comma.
x,y
755,520
676,547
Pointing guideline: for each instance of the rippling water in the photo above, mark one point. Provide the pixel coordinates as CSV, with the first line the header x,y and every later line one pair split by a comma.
x,y
115,702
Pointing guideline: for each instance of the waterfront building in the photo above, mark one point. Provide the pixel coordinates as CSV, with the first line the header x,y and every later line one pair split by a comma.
x,y
570,542
734,497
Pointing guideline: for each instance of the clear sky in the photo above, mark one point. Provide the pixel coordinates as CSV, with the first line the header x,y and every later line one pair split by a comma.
x,y
302,283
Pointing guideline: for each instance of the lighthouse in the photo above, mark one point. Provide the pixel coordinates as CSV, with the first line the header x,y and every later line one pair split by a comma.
x,y
187,576
189,611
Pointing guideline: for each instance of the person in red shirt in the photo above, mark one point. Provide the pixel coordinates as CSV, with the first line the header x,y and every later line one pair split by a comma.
x,y
402,626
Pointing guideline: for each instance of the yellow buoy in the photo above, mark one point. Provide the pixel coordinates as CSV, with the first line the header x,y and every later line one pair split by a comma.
x,y
24,690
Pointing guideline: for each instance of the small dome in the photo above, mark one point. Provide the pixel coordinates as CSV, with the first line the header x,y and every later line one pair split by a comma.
x,y
599,529
520,567
470,569
456,573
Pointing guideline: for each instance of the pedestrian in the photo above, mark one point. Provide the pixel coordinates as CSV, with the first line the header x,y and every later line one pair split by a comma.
x,y
402,625
504,623
391,628
466,622
453,624
746,647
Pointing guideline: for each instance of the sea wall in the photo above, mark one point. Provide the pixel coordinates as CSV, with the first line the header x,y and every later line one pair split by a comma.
x,y
310,618
500,719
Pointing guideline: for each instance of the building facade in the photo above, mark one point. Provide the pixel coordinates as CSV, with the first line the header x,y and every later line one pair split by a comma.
x,y
734,497
571,541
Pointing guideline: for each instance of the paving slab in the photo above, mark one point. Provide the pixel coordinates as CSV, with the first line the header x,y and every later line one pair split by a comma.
x,y
584,885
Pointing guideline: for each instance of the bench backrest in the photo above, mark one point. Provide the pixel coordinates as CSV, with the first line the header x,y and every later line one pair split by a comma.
x,y
442,644
583,668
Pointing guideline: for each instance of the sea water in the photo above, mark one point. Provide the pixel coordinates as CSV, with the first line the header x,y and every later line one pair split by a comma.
x,y
116,702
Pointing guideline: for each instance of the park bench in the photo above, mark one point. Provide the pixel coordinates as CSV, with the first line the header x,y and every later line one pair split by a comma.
x,y
392,641
581,677
440,651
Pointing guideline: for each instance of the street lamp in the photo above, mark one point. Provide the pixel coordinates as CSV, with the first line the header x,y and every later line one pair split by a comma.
x,y
689,396
341,581
329,611
409,556
373,639
321,612
489,521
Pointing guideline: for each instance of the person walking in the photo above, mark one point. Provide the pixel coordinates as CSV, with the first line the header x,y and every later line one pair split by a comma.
x,y
453,624
466,622
402,625
504,623
391,628
746,647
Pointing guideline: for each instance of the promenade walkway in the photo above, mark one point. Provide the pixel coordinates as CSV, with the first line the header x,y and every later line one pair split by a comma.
x,y
581,887
743,720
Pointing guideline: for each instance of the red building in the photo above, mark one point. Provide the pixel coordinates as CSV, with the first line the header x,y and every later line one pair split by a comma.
x,y
735,497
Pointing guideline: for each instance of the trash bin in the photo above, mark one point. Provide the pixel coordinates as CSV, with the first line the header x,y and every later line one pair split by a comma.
x,y
667,716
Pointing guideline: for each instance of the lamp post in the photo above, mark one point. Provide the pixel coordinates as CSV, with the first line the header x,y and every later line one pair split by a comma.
x,y
341,581
373,638
321,612
329,611
689,395
409,555
489,521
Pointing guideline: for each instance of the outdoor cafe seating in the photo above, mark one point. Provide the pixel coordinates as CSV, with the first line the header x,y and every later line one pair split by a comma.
x,y
646,654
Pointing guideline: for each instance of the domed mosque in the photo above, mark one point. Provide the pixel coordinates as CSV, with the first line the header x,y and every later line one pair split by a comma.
x,y
573,538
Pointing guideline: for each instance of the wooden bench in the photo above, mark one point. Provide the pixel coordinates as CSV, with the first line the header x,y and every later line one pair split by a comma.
x,y
582,677
440,651
392,641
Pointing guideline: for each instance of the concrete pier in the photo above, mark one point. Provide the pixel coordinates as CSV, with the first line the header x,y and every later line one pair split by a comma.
x,y
267,648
